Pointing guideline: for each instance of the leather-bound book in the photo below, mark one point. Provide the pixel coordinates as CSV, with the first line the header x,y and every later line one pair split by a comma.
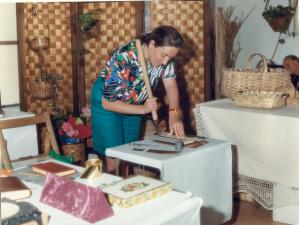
x,y
13,188
80,200
53,167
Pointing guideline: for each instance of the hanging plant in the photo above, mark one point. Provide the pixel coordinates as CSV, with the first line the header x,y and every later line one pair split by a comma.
x,y
279,17
88,23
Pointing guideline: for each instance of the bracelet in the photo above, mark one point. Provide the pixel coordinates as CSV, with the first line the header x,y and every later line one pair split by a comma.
x,y
173,110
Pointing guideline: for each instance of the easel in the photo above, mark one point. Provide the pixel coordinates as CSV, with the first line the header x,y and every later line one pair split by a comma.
x,y
50,139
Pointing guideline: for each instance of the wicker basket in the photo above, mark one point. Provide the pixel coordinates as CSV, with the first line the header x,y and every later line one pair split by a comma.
x,y
294,100
75,150
41,89
235,80
280,19
280,24
39,43
260,99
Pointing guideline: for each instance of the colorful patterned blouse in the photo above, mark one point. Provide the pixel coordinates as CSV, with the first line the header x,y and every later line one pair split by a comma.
x,y
123,75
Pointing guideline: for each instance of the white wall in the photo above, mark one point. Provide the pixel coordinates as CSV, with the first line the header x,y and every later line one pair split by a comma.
x,y
9,80
256,36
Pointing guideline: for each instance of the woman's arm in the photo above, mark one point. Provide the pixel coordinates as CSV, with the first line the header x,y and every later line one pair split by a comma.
x,y
125,108
175,116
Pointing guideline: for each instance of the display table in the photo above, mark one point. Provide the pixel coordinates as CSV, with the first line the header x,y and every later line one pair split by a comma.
x,y
206,171
21,141
173,208
267,156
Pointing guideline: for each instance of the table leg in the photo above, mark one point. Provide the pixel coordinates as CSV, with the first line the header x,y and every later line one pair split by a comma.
x,y
117,165
121,168
125,168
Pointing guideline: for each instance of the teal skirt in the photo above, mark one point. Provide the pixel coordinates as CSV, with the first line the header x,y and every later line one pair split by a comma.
x,y
109,128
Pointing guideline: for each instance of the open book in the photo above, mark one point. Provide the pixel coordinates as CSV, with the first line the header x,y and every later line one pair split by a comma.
x,y
13,188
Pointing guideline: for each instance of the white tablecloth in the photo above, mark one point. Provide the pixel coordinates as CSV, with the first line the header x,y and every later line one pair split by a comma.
x,y
205,171
173,208
266,140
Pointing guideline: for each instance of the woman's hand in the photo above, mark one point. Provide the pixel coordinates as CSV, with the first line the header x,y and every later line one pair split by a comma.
x,y
150,105
176,125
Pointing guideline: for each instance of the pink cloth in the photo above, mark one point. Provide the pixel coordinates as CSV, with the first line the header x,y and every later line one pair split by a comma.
x,y
85,202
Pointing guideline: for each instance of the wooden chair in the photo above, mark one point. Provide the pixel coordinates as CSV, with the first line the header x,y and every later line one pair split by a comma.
x,y
50,139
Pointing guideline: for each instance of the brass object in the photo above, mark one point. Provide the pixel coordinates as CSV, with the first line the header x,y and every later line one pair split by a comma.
x,y
93,169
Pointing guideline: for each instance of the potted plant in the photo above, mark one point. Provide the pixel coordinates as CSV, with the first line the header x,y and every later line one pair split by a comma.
x,y
72,132
279,17
88,23
71,128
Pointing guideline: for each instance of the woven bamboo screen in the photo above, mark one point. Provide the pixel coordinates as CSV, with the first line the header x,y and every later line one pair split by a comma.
x,y
118,26
187,17
57,58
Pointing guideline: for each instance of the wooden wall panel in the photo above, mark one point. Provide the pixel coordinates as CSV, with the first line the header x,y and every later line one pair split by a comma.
x,y
120,22
187,17
57,59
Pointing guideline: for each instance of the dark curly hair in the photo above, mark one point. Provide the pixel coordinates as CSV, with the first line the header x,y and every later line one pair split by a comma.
x,y
163,36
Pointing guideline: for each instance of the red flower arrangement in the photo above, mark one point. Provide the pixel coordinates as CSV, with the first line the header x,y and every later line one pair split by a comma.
x,y
75,127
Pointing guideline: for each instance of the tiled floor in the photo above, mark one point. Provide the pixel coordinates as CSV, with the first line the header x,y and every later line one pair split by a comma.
x,y
246,213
